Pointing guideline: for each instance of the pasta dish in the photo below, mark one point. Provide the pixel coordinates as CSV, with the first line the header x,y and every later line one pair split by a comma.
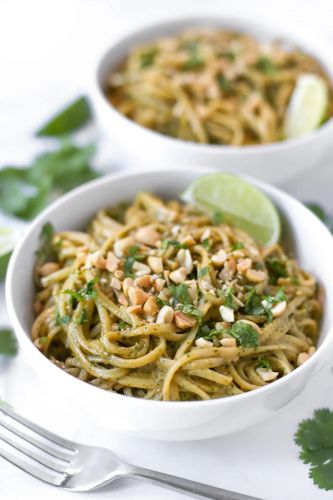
x,y
157,300
212,86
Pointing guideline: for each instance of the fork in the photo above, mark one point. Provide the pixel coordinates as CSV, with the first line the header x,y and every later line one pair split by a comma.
x,y
78,467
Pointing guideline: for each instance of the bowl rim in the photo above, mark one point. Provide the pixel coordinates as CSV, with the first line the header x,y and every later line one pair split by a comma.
x,y
296,36
25,340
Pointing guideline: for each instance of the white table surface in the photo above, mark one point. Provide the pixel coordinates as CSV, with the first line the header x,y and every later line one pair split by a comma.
x,y
47,52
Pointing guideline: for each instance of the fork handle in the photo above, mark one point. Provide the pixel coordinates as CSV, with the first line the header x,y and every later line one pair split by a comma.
x,y
185,485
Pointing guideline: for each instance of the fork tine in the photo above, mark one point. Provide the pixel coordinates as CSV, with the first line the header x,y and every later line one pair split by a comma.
x,y
52,444
32,467
30,451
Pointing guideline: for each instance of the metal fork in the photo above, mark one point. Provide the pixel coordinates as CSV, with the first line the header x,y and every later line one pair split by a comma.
x,y
79,467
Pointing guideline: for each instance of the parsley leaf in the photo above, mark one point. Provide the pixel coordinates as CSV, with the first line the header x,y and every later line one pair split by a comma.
x,y
147,58
8,345
315,437
73,117
245,335
85,293
263,363
179,293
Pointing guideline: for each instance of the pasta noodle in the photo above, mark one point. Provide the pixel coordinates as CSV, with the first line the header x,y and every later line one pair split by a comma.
x,y
211,86
157,300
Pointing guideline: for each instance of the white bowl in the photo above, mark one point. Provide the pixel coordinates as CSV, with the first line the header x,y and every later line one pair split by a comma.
x,y
275,162
305,235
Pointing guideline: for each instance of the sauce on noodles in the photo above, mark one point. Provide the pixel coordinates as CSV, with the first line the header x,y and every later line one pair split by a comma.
x,y
212,87
158,301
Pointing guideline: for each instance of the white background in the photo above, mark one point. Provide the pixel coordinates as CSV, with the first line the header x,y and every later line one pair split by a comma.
x,y
47,53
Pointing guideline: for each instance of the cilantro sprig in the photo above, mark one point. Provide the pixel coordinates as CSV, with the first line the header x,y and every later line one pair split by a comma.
x,y
85,293
315,438
179,294
133,255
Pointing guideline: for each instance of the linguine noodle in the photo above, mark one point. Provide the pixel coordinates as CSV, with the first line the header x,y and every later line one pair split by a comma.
x,y
211,87
158,301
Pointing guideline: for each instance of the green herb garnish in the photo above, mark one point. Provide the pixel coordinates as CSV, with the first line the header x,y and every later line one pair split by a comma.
x,y
237,246
46,249
147,58
83,317
191,310
276,269
206,243
315,437
133,255
8,345
172,243
245,335
224,84
266,65
229,298
203,272
122,325
231,56
208,333
179,293
62,320
263,363
42,340
161,302
85,293
73,117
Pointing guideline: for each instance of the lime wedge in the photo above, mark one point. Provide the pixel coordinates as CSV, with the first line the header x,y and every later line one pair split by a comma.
x,y
307,106
240,204
77,114
8,240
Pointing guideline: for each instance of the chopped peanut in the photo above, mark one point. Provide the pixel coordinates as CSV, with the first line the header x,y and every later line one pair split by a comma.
x,y
48,268
137,296
279,308
255,276
148,235
151,306
165,315
219,258
159,284
227,314
120,246
111,262
144,281
267,375
135,309
184,258
127,283
115,283
155,264
228,342
141,269
179,275
311,350
201,342
122,300
243,265
302,357
183,321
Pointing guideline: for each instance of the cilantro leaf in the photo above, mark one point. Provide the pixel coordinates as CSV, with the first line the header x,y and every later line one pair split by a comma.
x,y
8,345
266,65
179,293
229,298
315,437
62,320
133,255
263,363
161,302
224,84
206,243
73,117
191,310
172,243
122,325
203,272
245,335
276,269
147,58
85,293
237,246
208,333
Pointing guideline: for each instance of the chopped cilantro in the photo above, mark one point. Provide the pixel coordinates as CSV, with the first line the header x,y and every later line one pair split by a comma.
x,y
83,317
229,298
203,272
206,243
133,255
266,65
263,363
122,325
208,333
237,246
179,293
161,302
62,320
86,292
190,309
231,56
269,301
217,218
224,84
276,269
172,243
315,437
245,335
147,58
